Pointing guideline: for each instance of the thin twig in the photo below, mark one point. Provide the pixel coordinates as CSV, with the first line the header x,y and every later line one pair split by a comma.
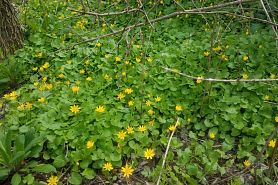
x,y
273,27
219,80
166,152
270,102
105,14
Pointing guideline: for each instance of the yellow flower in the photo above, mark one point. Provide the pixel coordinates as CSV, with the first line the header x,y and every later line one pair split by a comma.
x,y
199,79
75,109
224,57
44,79
129,130
41,100
98,44
90,144
138,59
6,96
127,170
123,73
118,59
128,90
36,84
69,61
272,76
107,167
87,62
45,65
130,103
266,98
107,77
157,99
126,62
28,105
100,108
172,128
149,153
142,128
75,89
148,103
121,135
211,135
121,96
152,122
178,108
245,58
38,55
276,119
217,49
106,56
53,180
48,86
206,53
149,59
12,95
80,24
67,82
82,71
89,78
150,112
247,163
21,107
245,76
34,68
61,75
272,143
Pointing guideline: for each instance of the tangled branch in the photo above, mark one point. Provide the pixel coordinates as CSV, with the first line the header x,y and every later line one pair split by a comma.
x,y
204,10
219,80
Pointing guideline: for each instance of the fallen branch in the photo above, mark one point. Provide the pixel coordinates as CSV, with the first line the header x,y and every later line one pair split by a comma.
x,y
105,14
174,14
166,152
219,80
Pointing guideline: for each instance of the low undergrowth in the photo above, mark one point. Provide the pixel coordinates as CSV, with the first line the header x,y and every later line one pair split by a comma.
x,y
106,110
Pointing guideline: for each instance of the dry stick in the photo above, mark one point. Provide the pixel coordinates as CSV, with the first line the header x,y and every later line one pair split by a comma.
x,y
272,160
270,102
174,14
274,29
253,18
105,14
166,152
219,80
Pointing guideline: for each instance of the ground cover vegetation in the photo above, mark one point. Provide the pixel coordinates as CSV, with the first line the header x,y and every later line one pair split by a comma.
x,y
141,92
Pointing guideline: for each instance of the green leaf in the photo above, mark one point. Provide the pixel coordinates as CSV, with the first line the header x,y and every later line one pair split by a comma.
x,y
89,173
4,80
29,179
16,179
4,172
192,169
59,161
190,180
44,168
75,178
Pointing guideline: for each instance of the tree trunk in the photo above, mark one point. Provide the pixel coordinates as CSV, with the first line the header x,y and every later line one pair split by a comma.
x,y
11,35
